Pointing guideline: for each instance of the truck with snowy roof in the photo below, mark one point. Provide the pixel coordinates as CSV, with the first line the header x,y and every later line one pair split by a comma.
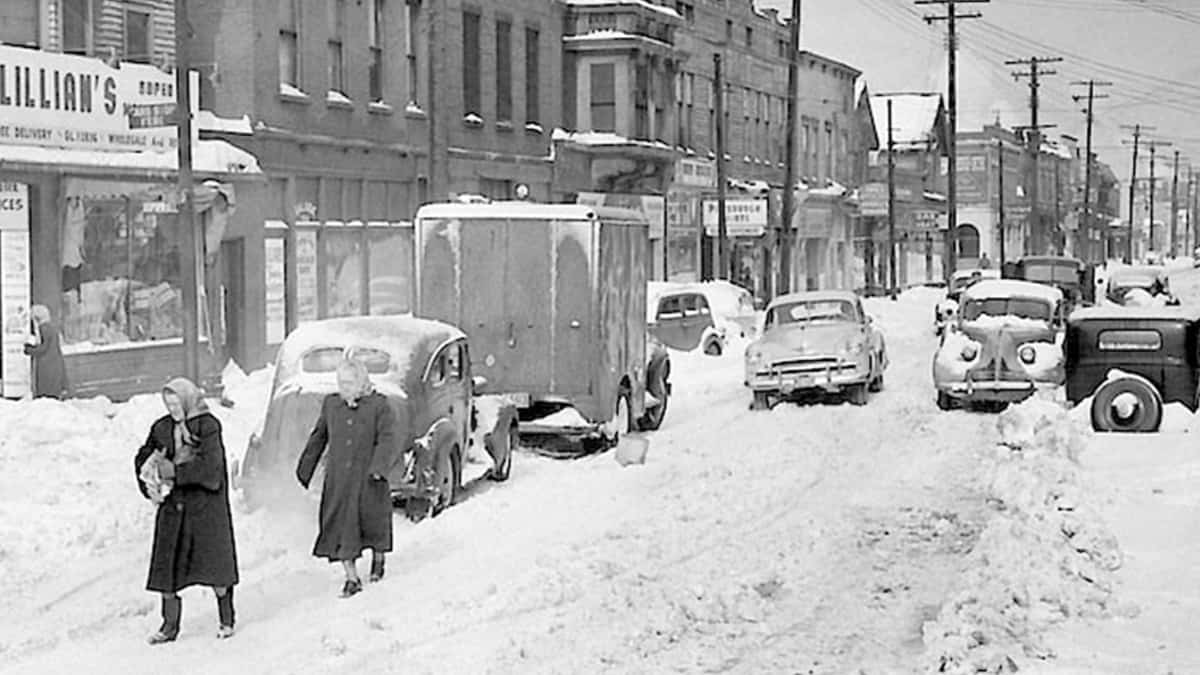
x,y
553,297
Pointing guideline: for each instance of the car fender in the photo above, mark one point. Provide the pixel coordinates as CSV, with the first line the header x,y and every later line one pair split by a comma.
x,y
495,438
428,448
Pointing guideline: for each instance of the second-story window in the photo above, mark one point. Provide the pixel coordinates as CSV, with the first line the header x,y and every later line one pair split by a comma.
x,y
749,37
533,71
289,33
76,26
337,13
19,22
504,71
603,101
375,50
470,64
412,23
137,36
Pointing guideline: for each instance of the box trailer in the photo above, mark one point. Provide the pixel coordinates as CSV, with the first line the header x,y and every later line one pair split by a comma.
x,y
553,297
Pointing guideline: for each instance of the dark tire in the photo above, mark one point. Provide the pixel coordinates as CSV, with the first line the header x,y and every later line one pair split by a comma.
x,y
713,348
946,401
504,469
1145,415
761,401
653,417
451,481
857,393
876,384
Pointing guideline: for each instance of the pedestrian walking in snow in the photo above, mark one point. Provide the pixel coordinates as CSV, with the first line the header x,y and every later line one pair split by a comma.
x,y
45,346
181,468
354,432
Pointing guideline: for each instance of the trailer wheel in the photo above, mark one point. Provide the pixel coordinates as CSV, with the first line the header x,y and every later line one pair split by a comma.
x,y
1127,404
504,468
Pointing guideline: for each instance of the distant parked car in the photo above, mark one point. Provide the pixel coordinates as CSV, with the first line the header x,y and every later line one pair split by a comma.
x,y
815,341
945,310
1003,346
1072,276
1132,361
424,369
681,318
734,308
1149,282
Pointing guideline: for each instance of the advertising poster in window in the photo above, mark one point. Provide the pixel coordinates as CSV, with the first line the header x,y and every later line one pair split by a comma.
x,y
14,288
306,275
276,291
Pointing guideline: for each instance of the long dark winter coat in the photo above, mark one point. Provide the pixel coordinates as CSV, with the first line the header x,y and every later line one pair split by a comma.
x,y
193,531
49,367
356,508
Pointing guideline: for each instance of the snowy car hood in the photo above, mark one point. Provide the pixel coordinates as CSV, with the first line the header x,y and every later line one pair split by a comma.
x,y
805,338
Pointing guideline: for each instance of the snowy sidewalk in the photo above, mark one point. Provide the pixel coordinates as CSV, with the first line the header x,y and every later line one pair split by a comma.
x,y
1152,505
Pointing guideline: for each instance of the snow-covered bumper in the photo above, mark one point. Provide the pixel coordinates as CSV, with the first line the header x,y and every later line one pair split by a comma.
x,y
971,389
805,373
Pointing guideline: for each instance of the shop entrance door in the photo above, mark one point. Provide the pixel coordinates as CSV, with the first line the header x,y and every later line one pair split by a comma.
x,y
233,297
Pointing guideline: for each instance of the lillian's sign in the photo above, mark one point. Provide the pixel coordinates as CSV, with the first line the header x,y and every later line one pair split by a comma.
x,y
68,101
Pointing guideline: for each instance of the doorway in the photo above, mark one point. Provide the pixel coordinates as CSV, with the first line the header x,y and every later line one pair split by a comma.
x,y
233,298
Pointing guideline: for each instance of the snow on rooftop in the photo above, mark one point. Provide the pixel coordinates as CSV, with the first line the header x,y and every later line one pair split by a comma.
x,y
208,156
638,3
914,117
610,34
206,120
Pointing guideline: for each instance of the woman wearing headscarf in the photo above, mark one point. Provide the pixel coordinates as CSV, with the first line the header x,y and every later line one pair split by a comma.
x,y
45,346
181,468
354,432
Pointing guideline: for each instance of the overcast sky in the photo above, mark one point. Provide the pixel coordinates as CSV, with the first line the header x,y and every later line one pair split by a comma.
x,y
1148,49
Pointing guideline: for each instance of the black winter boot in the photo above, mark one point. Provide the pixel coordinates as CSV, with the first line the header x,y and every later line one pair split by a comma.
x,y
225,613
172,610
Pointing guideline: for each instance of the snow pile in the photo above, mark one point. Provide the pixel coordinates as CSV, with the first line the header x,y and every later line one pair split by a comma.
x,y
1044,555
1011,321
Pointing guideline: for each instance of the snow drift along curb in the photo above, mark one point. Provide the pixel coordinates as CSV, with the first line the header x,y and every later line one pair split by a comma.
x,y
1043,556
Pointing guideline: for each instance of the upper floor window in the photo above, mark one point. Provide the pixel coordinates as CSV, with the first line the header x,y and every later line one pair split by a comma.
x,y
603,96
412,11
728,30
749,37
532,75
76,26
504,103
137,36
337,73
19,22
289,34
470,64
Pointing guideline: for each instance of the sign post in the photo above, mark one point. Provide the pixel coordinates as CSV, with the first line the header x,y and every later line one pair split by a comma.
x,y
15,371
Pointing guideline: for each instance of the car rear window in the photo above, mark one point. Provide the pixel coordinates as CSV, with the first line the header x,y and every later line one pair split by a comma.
x,y
1126,340
376,360
326,359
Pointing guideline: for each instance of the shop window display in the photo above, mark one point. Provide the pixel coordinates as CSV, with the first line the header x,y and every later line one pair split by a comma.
x,y
391,270
121,273
343,253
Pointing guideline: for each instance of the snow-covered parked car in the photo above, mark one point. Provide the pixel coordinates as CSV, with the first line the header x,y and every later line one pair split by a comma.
x,y
815,341
1139,285
679,316
447,435
944,311
1005,344
734,308
1132,361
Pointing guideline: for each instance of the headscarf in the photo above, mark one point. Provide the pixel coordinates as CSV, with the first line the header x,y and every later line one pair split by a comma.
x,y
362,379
40,314
192,400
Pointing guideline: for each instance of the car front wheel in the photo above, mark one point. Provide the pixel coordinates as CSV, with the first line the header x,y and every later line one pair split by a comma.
x,y
945,401
857,393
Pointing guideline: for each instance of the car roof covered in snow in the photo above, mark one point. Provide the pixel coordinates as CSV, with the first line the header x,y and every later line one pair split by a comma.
x,y
409,340
1117,312
1136,274
814,296
529,211
1010,288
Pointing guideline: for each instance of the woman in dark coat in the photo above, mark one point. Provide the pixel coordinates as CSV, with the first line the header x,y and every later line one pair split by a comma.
x,y
355,429
181,467
45,346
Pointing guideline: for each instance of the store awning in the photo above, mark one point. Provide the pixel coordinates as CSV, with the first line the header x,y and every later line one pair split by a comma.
x,y
209,157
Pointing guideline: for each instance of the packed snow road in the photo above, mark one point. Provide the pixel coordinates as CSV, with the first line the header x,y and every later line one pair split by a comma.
x,y
808,538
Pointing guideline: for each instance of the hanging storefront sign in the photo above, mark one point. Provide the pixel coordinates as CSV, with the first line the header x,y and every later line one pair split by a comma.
x,y
925,219
873,199
69,101
696,172
306,274
276,291
14,289
743,217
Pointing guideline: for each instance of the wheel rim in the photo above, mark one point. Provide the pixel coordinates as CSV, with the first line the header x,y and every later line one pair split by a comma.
x,y
1126,408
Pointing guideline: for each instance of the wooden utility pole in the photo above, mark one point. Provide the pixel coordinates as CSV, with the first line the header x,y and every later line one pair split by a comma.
x,y
1153,189
1000,189
1187,206
891,197
951,18
189,260
1034,144
784,284
1137,135
1174,232
719,109
1086,223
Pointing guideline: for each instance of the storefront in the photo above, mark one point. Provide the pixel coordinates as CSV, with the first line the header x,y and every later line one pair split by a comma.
x,y
99,230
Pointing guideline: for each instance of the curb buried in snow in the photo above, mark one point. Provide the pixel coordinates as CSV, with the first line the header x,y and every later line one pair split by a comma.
x,y
1044,555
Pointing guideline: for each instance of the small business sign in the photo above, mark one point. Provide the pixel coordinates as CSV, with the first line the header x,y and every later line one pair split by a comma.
x,y
925,219
15,276
696,172
743,217
873,199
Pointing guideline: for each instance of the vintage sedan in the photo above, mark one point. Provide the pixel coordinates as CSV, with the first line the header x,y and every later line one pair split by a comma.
x,y
962,279
815,342
446,435
1004,346
680,317
1139,284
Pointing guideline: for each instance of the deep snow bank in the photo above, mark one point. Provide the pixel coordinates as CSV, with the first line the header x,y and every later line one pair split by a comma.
x,y
1043,556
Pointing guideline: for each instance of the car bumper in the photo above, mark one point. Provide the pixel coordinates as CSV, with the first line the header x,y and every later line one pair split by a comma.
x,y
829,379
994,390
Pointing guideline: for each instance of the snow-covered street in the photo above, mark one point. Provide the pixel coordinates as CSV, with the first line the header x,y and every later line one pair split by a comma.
x,y
821,538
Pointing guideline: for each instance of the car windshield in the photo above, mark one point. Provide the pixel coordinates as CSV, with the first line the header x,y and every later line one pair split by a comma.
x,y
1047,273
812,311
1025,308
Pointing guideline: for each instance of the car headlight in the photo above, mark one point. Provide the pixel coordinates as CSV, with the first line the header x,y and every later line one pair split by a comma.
x,y
754,355
1027,354
969,352
854,346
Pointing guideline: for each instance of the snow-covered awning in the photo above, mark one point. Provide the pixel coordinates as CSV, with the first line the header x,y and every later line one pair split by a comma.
x,y
643,4
208,156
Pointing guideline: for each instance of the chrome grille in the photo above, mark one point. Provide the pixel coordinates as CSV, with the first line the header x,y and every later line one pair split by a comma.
x,y
806,366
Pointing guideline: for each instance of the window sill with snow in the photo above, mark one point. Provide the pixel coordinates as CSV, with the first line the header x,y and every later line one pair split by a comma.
x,y
292,94
336,99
